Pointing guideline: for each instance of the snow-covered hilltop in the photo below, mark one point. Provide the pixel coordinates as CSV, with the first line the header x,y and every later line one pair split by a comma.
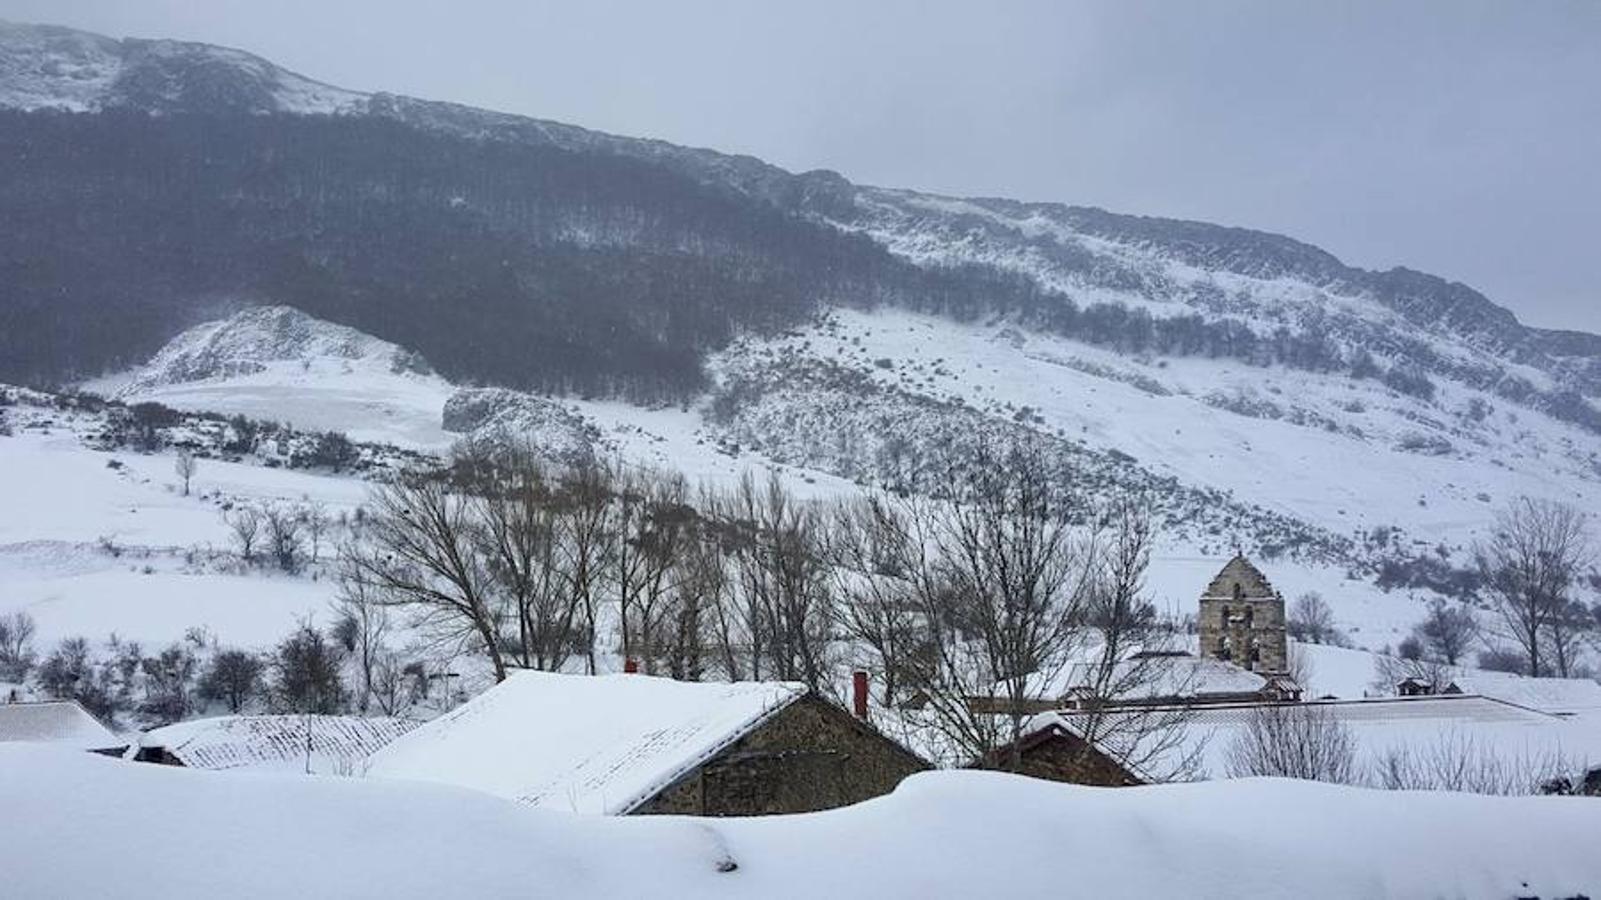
x,y
277,339
45,67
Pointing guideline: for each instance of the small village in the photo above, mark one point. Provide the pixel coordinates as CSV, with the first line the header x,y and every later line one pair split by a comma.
x,y
635,744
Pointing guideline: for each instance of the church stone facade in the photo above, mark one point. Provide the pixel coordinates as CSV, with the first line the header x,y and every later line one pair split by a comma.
x,y
1242,620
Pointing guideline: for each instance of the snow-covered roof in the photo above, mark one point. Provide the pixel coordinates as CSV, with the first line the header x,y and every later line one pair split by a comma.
x,y
1560,696
56,722
1378,727
596,744
1146,677
1349,673
338,744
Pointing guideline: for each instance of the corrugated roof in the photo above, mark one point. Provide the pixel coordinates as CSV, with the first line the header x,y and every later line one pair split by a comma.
x,y
338,744
597,744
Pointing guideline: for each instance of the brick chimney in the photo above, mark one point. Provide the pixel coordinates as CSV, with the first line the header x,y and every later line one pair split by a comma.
x,y
630,666
859,694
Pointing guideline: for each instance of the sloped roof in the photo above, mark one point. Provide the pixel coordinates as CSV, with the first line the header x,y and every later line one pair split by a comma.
x,y
596,744
1239,571
1551,695
56,722
1144,677
338,744
1378,726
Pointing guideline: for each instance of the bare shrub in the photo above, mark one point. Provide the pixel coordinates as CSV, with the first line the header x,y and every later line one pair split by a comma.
x,y
1293,740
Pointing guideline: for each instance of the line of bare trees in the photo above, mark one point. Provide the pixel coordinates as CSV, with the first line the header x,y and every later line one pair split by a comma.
x,y
506,554
991,589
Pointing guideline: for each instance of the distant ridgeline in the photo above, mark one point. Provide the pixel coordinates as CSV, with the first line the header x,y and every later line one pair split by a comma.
x,y
537,255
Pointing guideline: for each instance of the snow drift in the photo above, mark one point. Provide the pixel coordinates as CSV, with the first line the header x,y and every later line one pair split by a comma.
x,y
157,832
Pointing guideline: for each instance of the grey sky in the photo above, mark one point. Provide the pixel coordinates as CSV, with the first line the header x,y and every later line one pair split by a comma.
x,y
1456,137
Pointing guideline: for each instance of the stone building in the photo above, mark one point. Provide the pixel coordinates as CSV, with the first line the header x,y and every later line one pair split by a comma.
x,y
637,745
1242,620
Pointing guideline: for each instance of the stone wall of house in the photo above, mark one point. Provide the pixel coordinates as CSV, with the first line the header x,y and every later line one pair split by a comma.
x,y
1063,757
812,755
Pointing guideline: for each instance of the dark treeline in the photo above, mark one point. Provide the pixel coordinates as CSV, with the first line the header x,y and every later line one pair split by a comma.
x,y
523,265
505,262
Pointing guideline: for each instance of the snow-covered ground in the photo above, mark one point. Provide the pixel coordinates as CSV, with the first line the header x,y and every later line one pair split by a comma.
x,y
161,832
90,550
1342,469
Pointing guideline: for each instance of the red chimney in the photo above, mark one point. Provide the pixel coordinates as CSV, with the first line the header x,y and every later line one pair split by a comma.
x,y
859,694
630,666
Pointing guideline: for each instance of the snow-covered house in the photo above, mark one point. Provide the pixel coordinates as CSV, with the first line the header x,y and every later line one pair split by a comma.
x,y
61,722
286,743
634,744
1462,732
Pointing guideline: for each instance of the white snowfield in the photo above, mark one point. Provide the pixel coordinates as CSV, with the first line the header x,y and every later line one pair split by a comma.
x,y
590,744
162,833
90,550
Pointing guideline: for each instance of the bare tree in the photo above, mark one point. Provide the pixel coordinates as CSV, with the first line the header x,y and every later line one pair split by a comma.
x,y
233,678
244,525
314,516
657,545
1130,663
1447,633
1529,567
1311,619
420,552
878,607
1000,576
1293,740
285,541
519,532
305,674
362,628
390,692
185,465
582,500
780,572
16,646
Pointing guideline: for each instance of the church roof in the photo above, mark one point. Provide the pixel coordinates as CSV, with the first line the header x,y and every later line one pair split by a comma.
x,y
1239,571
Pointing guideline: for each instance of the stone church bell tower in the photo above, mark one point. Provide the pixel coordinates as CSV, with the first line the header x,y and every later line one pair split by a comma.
x,y
1242,620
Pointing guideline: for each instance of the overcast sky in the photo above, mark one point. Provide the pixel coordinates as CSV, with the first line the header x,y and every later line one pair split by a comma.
x,y
1456,137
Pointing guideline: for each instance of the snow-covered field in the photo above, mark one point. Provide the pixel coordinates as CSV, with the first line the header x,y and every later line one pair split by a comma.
x,y
160,832
89,550
275,363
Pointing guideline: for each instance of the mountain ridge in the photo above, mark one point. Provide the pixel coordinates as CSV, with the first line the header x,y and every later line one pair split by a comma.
x,y
1145,284
751,173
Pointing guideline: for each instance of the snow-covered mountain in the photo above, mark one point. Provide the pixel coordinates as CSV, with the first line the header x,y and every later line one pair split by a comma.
x,y
1355,426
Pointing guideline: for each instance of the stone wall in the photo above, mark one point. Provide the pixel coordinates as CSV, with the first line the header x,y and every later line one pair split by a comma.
x,y
812,755
1245,623
1063,757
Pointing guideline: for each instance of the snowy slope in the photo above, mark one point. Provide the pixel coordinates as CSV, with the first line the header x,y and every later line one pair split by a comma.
x,y
275,362
939,834
92,549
